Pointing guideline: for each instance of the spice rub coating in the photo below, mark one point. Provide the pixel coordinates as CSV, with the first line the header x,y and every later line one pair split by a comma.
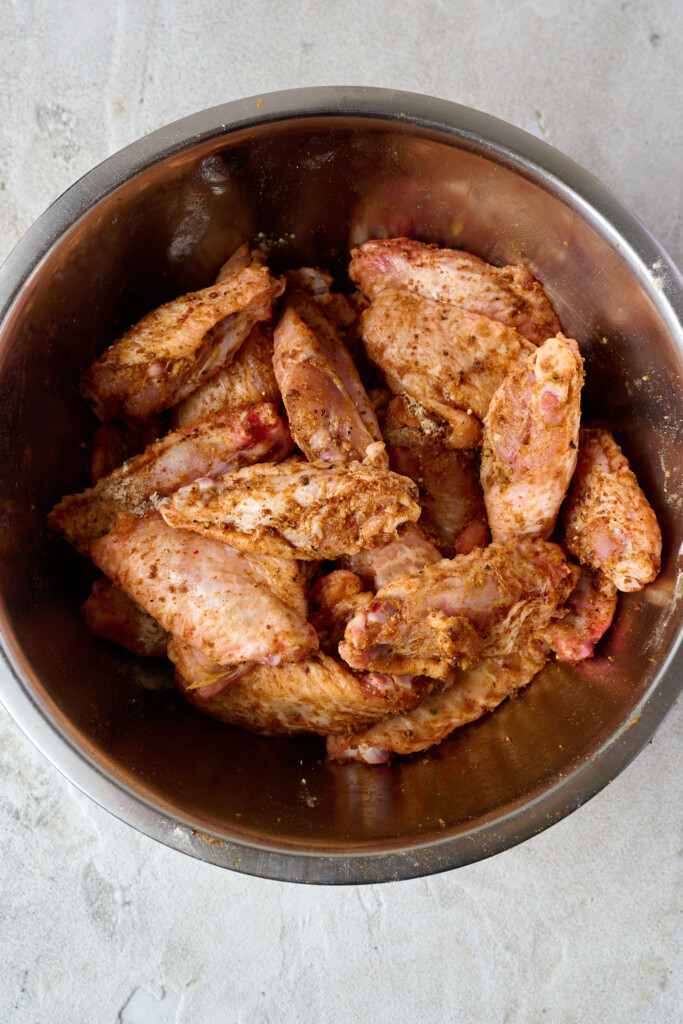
x,y
448,360
609,522
232,606
210,446
511,294
473,693
297,509
483,604
175,348
531,438
320,695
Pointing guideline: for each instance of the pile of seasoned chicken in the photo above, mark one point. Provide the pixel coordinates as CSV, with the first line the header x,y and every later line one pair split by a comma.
x,y
334,514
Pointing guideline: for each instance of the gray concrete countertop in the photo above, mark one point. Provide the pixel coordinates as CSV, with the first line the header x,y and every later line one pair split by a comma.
x,y
580,924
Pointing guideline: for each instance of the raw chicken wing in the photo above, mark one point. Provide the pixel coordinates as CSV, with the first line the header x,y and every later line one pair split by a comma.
x,y
450,493
451,614
178,346
298,509
112,615
448,360
231,606
509,294
475,692
211,446
330,415
589,613
248,379
531,438
609,522
321,695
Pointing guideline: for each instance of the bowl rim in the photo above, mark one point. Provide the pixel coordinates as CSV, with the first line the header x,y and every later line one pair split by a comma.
x,y
655,271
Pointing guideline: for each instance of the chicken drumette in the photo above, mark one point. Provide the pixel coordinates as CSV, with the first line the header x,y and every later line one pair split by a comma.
x,y
609,522
531,435
330,415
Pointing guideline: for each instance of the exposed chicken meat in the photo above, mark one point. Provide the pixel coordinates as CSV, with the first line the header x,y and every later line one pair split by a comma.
x,y
509,294
333,600
609,522
112,615
232,606
450,493
441,356
531,437
248,379
407,554
215,445
484,604
475,692
298,509
330,415
175,348
590,609
114,442
321,695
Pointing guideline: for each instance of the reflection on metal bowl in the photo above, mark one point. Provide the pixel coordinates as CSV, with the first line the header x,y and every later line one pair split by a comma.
x,y
306,174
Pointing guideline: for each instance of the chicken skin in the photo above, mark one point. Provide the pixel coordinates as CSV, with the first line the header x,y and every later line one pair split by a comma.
x,y
451,614
407,554
298,509
112,615
320,695
330,415
448,360
247,380
588,615
450,493
511,295
474,692
317,319
215,445
175,348
609,522
531,439
231,606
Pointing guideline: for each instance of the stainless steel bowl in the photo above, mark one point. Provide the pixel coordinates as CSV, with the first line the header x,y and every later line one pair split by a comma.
x,y
306,173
